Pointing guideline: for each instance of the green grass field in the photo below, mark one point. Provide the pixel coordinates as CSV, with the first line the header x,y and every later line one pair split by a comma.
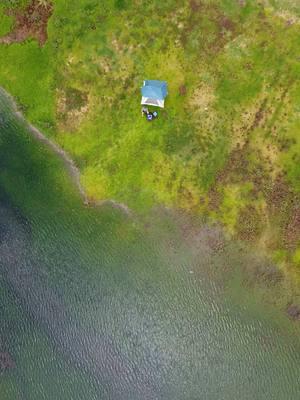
x,y
227,143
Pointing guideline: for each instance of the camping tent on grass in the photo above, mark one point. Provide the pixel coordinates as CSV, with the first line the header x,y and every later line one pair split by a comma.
x,y
154,93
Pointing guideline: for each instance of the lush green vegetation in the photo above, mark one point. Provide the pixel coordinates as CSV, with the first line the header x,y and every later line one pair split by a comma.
x,y
227,144
5,21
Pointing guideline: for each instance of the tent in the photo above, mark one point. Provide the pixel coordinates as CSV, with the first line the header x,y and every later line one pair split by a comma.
x,y
154,93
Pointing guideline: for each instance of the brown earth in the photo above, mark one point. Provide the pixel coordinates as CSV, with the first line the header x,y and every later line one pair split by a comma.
x,y
30,22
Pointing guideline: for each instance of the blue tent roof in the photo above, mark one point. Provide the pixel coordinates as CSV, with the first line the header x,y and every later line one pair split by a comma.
x,y
156,90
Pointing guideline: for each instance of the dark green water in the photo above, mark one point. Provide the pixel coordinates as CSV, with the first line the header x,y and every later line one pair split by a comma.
x,y
96,305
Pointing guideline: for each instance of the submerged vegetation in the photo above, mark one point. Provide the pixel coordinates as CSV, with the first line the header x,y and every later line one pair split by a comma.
x,y
227,144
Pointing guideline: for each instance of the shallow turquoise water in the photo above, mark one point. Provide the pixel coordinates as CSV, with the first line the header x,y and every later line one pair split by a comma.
x,y
95,305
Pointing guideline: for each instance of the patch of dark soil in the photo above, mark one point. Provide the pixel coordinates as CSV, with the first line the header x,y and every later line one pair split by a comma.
x,y
30,22
293,311
182,90
226,23
259,115
6,361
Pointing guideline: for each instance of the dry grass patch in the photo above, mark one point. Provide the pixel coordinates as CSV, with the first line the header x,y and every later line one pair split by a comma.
x,y
202,98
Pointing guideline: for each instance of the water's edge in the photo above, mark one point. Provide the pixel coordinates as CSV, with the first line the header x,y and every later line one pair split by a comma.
x,y
95,306
69,163
291,307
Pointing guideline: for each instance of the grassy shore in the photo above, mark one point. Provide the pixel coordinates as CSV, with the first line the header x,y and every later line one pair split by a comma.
x,y
227,144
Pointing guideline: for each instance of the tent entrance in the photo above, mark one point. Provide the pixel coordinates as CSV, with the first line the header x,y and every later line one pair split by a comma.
x,y
153,102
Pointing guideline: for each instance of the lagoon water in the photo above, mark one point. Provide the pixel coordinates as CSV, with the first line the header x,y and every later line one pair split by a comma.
x,y
98,305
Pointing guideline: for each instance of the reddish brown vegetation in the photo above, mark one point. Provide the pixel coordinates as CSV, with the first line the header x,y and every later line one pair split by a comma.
x,y
292,228
236,165
6,361
283,205
259,115
214,199
249,224
293,312
226,24
282,211
278,196
182,90
30,22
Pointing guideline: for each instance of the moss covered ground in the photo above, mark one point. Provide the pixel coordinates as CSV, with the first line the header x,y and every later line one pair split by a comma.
x,y
227,144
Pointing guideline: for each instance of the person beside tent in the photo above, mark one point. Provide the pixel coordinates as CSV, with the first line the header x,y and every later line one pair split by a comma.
x,y
149,114
144,111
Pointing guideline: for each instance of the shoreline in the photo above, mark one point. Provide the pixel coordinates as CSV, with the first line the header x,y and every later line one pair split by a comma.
x,y
290,307
69,163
